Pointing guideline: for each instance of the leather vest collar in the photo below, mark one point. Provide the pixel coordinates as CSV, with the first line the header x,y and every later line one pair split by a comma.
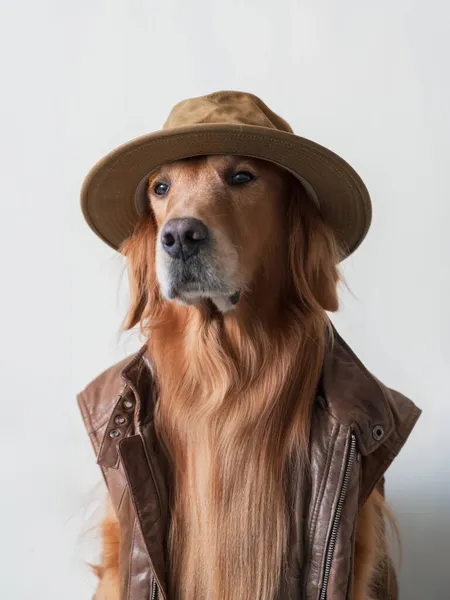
x,y
352,394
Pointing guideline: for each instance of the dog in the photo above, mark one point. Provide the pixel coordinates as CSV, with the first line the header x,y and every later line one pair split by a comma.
x,y
232,272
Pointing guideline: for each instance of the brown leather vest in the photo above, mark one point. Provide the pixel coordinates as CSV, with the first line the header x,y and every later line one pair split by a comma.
x,y
359,426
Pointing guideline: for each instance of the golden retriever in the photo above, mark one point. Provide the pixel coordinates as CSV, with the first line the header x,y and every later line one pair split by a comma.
x,y
237,336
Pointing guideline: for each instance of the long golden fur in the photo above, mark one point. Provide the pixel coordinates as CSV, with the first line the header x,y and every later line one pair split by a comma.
x,y
236,387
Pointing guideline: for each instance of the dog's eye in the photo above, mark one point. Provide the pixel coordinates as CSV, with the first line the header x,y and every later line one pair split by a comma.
x,y
161,189
241,177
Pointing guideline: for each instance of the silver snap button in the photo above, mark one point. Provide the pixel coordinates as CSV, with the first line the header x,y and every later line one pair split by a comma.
x,y
378,432
119,420
114,433
128,404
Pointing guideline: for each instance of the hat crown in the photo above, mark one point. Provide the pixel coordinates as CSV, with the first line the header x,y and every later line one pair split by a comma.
x,y
225,107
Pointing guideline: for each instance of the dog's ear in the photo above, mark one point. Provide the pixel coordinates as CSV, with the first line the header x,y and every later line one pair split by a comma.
x,y
139,250
313,253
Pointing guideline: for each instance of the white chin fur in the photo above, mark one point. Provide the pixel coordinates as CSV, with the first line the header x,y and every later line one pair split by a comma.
x,y
220,301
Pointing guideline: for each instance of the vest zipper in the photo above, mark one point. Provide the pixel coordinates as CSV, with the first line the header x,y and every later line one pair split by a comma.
x,y
337,518
154,590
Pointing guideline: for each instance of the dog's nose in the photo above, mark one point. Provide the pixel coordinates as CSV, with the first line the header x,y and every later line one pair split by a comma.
x,y
182,238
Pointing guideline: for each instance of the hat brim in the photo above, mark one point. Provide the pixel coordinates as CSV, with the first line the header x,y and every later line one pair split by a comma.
x,y
110,194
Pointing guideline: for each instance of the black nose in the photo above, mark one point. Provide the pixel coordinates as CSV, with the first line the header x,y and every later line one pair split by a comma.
x,y
182,238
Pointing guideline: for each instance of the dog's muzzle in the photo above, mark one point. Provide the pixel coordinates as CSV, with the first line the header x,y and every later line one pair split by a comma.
x,y
189,267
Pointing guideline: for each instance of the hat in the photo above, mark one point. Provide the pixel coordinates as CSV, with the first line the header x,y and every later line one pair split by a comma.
x,y
226,122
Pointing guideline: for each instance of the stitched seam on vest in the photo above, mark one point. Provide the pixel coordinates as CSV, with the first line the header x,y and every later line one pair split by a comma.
x,y
119,504
320,489
101,419
381,470
104,416
350,582
404,432
151,469
84,411
131,559
87,421
313,524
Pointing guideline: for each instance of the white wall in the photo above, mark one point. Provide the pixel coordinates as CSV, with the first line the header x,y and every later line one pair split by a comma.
x,y
368,79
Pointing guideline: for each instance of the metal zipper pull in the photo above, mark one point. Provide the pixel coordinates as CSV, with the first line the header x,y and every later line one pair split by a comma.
x,y
337,518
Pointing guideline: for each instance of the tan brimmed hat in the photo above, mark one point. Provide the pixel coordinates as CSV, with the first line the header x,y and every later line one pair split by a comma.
x,y
228,122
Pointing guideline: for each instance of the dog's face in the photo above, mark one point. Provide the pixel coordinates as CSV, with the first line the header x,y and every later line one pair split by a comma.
x,y
219,218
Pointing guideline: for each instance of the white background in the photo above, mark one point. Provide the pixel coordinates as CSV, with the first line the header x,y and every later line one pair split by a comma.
x,y
370,80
